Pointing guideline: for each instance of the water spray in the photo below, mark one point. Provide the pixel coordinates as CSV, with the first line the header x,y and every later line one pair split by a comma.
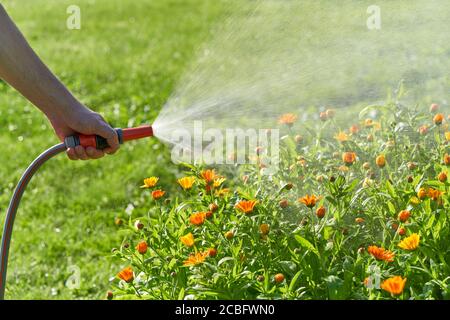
x,y
69,142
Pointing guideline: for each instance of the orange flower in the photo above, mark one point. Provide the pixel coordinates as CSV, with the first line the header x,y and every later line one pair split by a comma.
x,y
438,118
246,206
423,130
320,212
150,182
368,122
381,253
309,200
442,177
422,193
434,107
404,215
186,182
142,247
447,159
287,119
394,285
380,161
434,194
212,252
359,220
157,194
195,259
229,235
264,228
126,274
209,176
279,278
410,243
354,129
198,218
188,240
349,158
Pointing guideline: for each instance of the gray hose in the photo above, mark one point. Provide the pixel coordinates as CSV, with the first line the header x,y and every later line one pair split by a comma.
x,y
14,204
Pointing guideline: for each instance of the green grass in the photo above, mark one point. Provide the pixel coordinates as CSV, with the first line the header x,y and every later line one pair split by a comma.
x,y
123,63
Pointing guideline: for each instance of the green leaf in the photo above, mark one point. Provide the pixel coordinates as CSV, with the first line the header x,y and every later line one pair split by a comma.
x,y
307,245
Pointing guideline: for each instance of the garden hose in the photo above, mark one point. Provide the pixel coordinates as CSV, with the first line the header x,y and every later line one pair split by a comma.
x,y
69,142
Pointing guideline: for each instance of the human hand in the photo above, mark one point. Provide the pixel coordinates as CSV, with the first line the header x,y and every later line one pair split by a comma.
x,y
80,119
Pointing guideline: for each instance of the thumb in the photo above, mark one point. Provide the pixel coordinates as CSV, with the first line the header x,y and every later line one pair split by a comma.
x,y
106,131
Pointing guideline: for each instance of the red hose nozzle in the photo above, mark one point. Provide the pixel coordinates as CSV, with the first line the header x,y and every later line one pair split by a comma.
x,y
99,142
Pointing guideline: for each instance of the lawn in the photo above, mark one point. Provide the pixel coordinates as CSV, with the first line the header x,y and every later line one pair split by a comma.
x,y
123,63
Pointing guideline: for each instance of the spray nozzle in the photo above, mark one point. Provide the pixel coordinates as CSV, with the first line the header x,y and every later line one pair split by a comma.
x,y
99,142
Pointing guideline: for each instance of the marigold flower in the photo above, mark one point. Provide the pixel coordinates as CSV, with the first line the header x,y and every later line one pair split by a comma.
x,y
323,116
438,118
320,212
349,158
404,215
150,182
284,203
410,243
394,285
264,228
222,192
186,182
188,240
213,207
197,218
287,119
309,200
341,136
195,259
229,235
442,177
434,107
423,130
142,247
217,182
279,278
368,122
157,194
422,193
246,206
434,194
126,274
359,220
401,231
381,253
447,159
380,161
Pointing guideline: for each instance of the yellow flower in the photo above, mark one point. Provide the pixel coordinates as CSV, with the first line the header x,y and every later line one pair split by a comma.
x,y
150,182
309,200
217,182
222,192
349,158
414,200
195,259
186,182
187,240
341,136
447,135
410,243
394,285
380,161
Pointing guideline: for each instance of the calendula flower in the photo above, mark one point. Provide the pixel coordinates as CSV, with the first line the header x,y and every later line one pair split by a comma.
x,y
394,285
188,240
447,135
195,259
381,253
186,182
212,252
150,182
126,274
218,182
320,212
442,177
349,158
209,176
423,130
404,215
197,218
359,220
354,129
157,194
246,206
368,122
410,243
380,161
447,159
142,247
309,200
341,136
414,200
287,119
434,194
279,278
438,118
